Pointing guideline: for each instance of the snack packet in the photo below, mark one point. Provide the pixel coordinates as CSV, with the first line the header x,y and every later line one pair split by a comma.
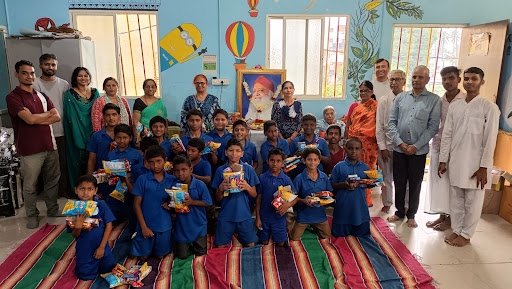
x,y
291,163
101,176
115,167
211,146
88,224
78,207
283,195
112,280
234,179
141,132
177,195
168,167
137,273
176,144
120,191
321,198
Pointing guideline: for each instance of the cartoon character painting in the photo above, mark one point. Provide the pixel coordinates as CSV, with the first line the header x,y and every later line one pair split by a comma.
x,y
179,45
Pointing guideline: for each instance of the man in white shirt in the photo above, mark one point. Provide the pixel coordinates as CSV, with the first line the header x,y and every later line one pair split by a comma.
x,y
437,199
468,143
55,88
381,85
396,82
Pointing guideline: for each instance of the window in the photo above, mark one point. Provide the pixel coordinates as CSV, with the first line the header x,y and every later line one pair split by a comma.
x,y
126,46
312,50
435,47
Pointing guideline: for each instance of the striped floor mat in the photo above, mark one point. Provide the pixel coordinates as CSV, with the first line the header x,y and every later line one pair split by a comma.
x,y
46,260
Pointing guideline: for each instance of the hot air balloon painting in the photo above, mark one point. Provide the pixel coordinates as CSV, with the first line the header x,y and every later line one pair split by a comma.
x,y
240,40
252,4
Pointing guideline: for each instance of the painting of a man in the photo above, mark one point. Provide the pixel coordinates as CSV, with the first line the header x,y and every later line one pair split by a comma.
x,y
261,99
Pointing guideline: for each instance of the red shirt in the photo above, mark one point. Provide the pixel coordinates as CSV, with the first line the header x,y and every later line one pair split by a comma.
x,y
335,158
29,139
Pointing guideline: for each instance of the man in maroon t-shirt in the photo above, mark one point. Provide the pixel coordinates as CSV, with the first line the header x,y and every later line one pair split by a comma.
x,y
334,134
32,114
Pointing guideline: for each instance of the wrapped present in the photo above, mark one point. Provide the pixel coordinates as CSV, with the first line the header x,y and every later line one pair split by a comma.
x,y
101,176
176,144
120,191
291,163
115,168
87,225
233,177
177,196
78,207
211,146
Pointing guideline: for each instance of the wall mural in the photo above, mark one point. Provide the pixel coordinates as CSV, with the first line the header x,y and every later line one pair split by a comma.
x,y
179,45
240,40
252,4
365,34
310,6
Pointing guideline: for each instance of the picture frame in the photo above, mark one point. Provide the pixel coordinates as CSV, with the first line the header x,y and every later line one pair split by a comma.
x,y
253,91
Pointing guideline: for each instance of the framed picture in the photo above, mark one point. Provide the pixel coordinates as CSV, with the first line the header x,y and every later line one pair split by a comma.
x,y
256,91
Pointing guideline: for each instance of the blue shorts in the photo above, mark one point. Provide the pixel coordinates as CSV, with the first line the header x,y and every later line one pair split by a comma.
x,y
343,230
160,244
245,229
277,230
87,267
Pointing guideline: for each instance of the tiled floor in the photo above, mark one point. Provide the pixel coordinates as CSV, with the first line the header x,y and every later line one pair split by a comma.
x,y
485,264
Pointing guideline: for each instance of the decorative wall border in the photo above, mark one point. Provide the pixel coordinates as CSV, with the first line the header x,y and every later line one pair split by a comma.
x,y
152,5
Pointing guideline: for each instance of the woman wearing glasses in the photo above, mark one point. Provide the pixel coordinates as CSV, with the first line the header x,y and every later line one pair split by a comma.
x,y
361,124
201,100
148,106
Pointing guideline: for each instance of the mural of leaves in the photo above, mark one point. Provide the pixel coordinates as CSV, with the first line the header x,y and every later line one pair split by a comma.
x,y
365,34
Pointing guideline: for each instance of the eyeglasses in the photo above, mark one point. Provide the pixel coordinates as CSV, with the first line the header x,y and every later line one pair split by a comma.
x,y
395,79
200,83
364,91
86,189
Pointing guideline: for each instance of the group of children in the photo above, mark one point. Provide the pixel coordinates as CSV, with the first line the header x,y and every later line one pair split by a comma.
x,y
146,204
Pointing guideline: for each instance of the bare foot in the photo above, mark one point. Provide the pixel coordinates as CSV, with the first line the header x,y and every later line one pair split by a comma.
x,y
459,242
431,224
445,225
412,223
394,218
452,237
385,209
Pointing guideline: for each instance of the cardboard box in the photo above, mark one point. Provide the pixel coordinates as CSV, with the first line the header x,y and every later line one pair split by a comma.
x,y
506,204
492,202
502,155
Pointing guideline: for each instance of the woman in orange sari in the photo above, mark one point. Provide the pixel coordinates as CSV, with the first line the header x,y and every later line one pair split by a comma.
x,y
361,124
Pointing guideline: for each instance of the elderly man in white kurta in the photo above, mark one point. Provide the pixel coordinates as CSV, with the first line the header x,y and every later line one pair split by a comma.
x,y
468,143
437,197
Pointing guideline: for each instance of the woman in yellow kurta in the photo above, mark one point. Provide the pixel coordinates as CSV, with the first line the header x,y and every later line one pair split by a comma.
x,y
362,124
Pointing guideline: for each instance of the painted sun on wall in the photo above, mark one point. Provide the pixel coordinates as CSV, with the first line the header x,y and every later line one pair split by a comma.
x,y
180,45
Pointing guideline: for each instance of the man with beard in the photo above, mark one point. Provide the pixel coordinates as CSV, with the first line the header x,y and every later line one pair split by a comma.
x,y
55,88
261,100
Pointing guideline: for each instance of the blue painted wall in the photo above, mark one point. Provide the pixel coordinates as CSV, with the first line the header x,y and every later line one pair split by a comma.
x,y
3,15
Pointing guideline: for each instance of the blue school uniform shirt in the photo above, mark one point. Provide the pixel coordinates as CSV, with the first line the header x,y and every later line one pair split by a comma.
x,y
186,138
192,225
322,146
250,153
137,171
100,145
223,140
166,145
268,186
235,207
350,207
153,196
202,168
132,155
305,187
267,146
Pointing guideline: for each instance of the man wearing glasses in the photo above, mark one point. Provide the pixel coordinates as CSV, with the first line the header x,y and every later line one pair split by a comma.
x,y
385,161
413,122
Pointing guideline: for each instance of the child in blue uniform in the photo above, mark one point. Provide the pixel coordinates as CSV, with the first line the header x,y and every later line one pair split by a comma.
x,y
123,137
220,135
93,254
190,228
154,222
240,131
310,181
235,215
273,141
158,126
309,137
195,124
201,169
351,215
268,220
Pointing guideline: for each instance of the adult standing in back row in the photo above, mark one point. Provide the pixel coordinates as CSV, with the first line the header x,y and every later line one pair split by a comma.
x,y
413,122
203,101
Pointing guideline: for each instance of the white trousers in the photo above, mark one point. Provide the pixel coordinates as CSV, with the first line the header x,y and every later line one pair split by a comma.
x,y
387,174
437,197
465,210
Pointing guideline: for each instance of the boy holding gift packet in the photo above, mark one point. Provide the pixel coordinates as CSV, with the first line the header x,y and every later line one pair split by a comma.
x,y
93,254
351,215
100,142
309,182
154,222
240,131
235,215
190,228
268,220
201,169
273,141
220,134
158,126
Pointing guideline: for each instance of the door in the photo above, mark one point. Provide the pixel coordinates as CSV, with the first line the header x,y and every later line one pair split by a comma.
x,y
483,46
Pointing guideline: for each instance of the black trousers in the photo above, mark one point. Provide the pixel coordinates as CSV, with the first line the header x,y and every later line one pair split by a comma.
x,y
408,169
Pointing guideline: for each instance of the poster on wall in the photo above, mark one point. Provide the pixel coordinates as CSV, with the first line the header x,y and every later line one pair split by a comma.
x,y
479,43
210,65
257,89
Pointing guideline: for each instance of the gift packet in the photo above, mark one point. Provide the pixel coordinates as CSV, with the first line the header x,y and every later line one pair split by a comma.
x,y
87,225
78,207
120,191
283,194
302,145
136,273
177,195
141,132
321,198
132,276
233,177
116,167
291,163
101,176
210,147
168,168
176,144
